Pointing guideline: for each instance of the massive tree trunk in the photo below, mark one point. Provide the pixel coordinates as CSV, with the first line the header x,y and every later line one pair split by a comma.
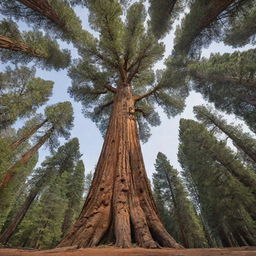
x,y
119,208
11,171
13,45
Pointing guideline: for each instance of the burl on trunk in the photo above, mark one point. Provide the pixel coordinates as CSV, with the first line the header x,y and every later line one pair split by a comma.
x,y
120,208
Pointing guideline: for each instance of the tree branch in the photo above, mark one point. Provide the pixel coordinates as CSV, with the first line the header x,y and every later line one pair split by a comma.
x,y
110,88
140,97
100,108
141,111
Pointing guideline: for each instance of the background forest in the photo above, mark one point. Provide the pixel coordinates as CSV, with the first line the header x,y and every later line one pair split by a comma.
x,y
203,90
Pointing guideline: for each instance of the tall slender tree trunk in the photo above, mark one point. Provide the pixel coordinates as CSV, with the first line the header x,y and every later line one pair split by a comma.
x,y
181,225
27,135
119,207
11,171
13,45
9,231
249,151
22,211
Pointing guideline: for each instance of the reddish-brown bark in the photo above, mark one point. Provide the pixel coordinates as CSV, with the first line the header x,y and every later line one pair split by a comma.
x,y
11,171
6,235
27,135
120,208
13,45
45,9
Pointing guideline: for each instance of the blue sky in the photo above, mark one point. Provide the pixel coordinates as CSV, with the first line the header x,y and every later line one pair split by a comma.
x,y
164,137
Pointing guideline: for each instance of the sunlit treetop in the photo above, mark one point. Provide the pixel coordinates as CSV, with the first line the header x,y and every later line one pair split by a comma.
x,y
123,55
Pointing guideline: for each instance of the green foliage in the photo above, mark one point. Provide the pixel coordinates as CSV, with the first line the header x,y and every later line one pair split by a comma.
x,y
60,117
228,81
21,93
204,23
177,210
75,189
163,14
124,53
36,46
63,24
242,31
59,185
243,141
226,204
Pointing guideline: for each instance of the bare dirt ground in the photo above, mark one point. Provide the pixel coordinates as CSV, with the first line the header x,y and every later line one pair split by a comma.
x,y
111,251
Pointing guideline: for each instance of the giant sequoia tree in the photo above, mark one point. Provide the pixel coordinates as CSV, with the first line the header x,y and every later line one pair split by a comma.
x,y
114,80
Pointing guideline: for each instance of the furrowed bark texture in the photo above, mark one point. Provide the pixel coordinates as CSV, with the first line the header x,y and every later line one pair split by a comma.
x,y
119,208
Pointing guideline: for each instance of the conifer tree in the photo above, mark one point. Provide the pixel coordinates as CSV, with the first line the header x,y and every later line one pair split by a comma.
x,y
21,93
115,82
23,47
228,81
48,215
163,13
185,223
242,140
60,121
226,204
75,189
65,160
55,16
242,30
31,127
10,193
204,23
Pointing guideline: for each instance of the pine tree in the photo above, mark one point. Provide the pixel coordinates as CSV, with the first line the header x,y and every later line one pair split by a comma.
x,y
75,189
204,23
228,81
226,204
23,47
163,13
63,161
21,93
55,16
115,82
184,221
47,216
60,121
243,30
242,140
10,193
31,127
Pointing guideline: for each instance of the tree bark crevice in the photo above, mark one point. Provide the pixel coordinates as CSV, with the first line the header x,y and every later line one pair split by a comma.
x,y
120,208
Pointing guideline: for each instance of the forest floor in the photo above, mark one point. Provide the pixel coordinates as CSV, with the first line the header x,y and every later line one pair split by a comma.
x,y
111,251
